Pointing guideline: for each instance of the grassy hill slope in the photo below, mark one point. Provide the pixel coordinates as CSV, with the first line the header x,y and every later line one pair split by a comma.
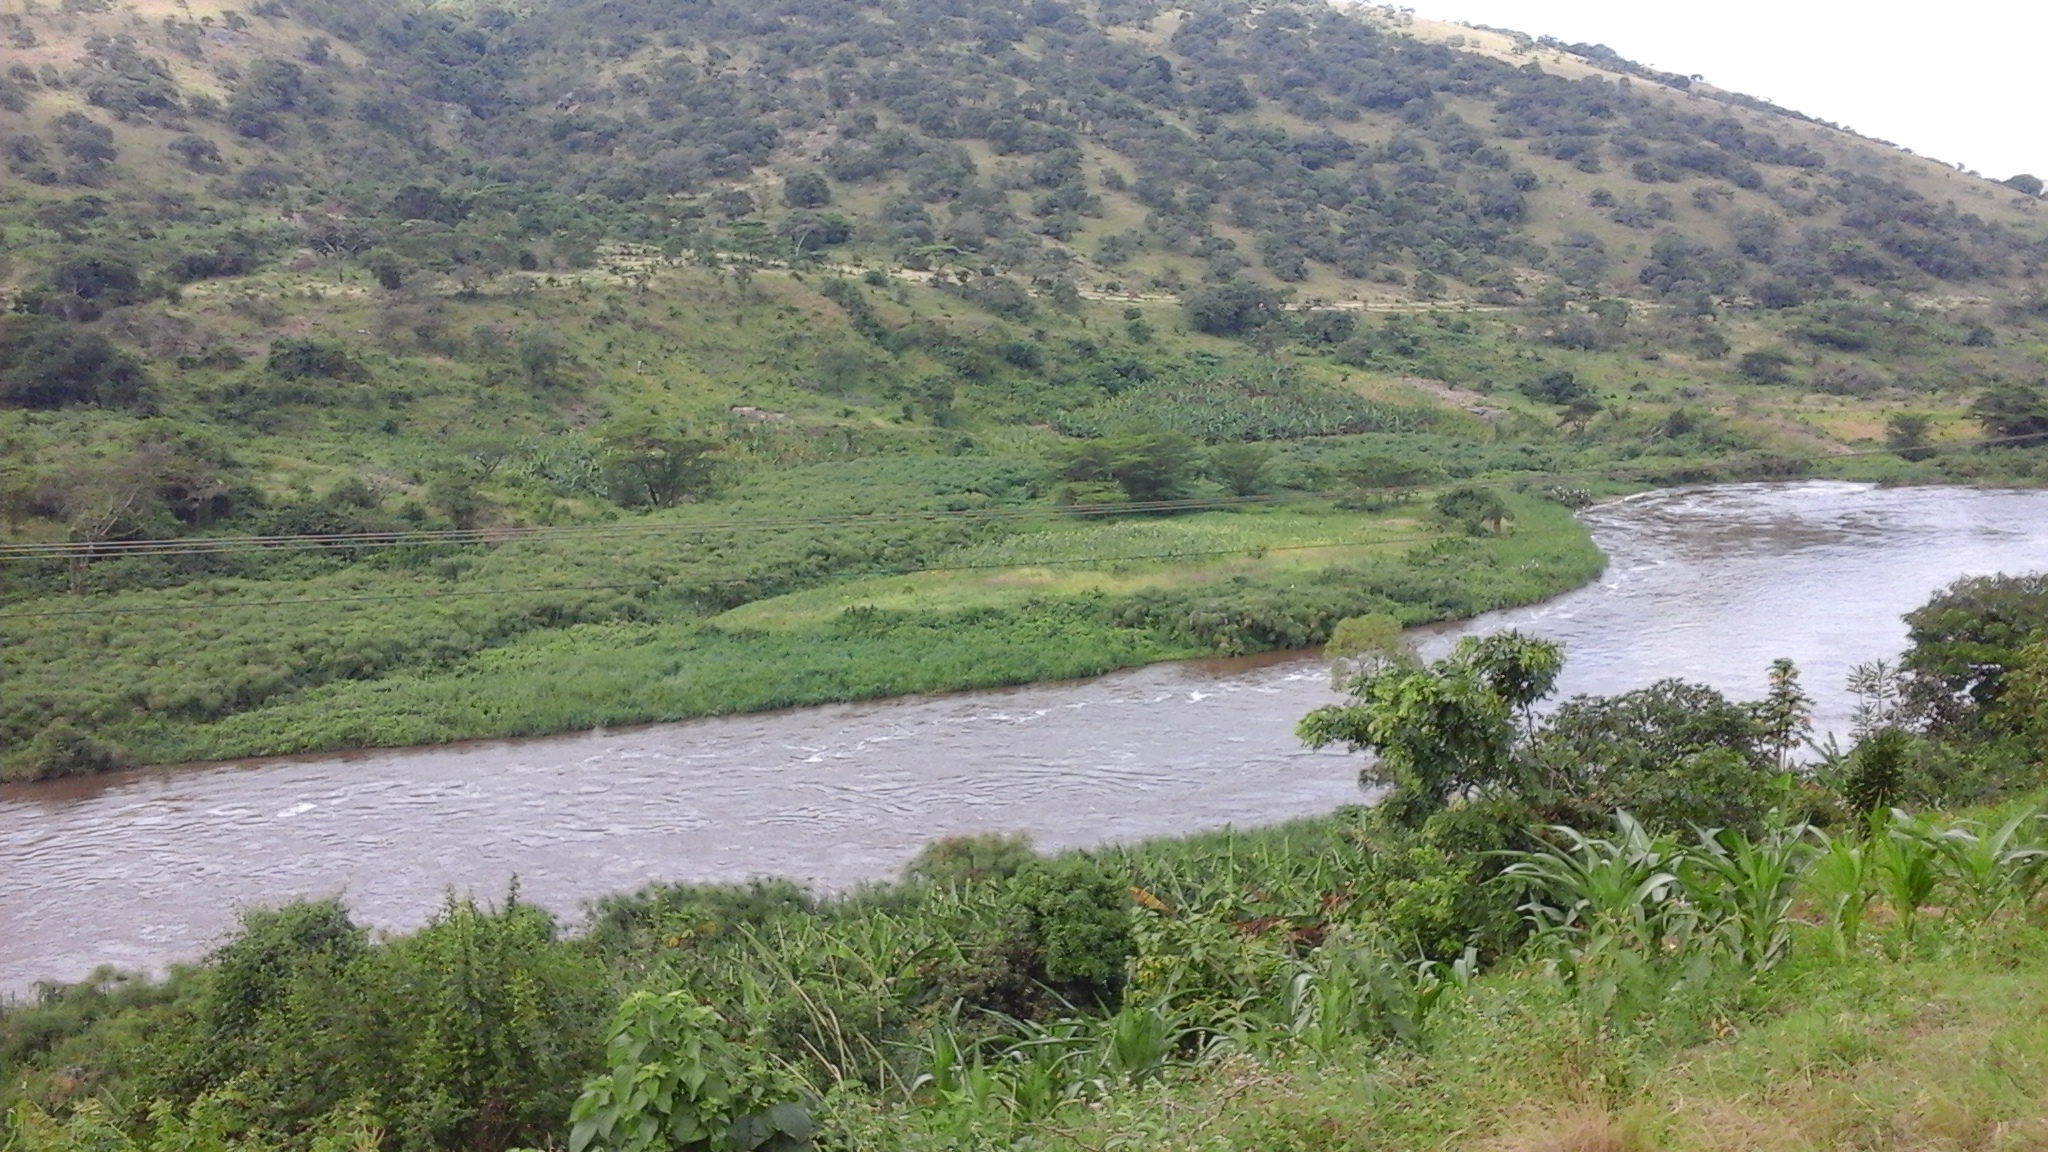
x,y
667,312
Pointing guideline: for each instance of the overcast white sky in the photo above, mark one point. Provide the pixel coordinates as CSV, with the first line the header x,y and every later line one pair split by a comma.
x,y
1959,80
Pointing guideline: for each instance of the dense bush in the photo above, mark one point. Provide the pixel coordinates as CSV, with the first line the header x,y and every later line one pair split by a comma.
x,y
46,363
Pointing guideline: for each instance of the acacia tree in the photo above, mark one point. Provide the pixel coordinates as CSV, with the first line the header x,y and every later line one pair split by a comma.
x,y
2013,412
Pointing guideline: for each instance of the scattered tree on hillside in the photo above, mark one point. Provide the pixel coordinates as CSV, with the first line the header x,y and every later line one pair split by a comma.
x,y
45,363
2013,412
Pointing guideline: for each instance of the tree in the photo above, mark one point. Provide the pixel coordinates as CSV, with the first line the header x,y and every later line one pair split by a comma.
x,y
1477,510
1785,714
1144,468
84,288
1673,754
1560,387
1440,730
1233,308
2013,412
1362,645
1380,482
1240,467
1876,780
297,359
46,363
198,153
2024,183
651,466
1877,686
1962,644
339,238
1906,434
541,355
808,232
807,189
1765,366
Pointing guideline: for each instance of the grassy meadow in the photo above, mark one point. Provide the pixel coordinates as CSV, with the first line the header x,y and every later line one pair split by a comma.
x,y
516,663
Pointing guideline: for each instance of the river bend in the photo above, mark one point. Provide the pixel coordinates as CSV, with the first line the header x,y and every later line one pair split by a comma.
x,y
143,868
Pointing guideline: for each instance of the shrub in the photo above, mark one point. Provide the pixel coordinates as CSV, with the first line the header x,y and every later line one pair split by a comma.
x,y
1876,780
981,858
1672,753
307,359
1233,309
45,363
1078,916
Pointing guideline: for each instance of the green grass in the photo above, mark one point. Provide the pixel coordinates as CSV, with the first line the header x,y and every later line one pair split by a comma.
x,y
897,635
1108,557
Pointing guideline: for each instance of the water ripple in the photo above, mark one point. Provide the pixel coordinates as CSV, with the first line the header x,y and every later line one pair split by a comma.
x,y
1710,584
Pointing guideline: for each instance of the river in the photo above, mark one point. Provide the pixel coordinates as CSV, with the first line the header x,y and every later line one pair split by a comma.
x,y
1710,584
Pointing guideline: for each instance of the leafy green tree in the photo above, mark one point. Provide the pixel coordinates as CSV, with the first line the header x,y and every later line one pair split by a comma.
x,y
541,356
2025,184
468,1033
1674,754
1561,387
2013,412
1241,468
1963,642
648,465
807,189
1441,730
1233,308
1876,779
1379,482
489,1019
1785,714
83,289
307,359
1764,366
809,231
1477,510
1906,433
46,363
1362,644
1144,468
1077,915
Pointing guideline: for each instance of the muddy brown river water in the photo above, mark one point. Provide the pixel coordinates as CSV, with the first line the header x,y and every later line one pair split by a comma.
x,y
144,868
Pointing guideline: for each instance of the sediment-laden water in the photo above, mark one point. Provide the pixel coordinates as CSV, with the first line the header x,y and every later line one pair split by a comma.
x,y
143,868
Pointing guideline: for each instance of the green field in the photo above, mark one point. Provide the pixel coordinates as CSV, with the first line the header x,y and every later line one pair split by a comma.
x,y
981,626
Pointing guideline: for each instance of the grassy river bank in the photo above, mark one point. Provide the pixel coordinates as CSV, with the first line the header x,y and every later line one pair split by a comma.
x,y
373,663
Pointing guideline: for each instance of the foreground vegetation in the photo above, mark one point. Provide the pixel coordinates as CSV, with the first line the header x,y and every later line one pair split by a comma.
x,y
1735,953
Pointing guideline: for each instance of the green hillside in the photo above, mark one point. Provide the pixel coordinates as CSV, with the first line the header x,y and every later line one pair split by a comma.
x,y
612,321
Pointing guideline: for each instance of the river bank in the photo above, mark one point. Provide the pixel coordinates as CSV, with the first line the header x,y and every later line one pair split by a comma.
x,y
1706,584
994,622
